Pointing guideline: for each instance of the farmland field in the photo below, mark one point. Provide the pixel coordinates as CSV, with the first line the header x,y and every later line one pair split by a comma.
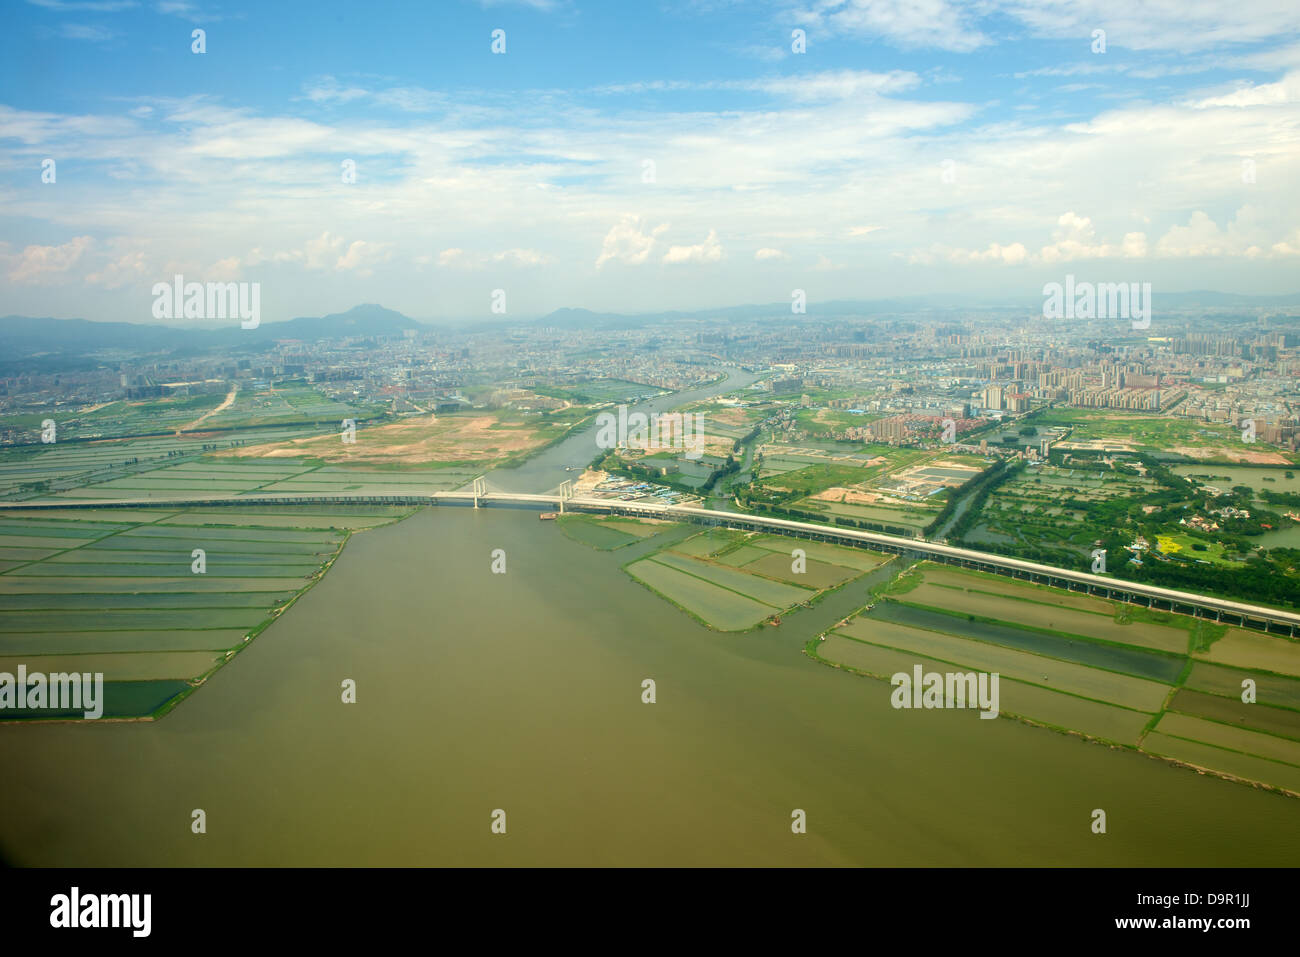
x,y
1250,649
1039,613
1095,667
292,403
595,532
769,592
1112,429
734,580
1124,690
1258,716
1236,739
815,573
1212,758
717,607
36,470
1090,651
600,390
478,440
133,599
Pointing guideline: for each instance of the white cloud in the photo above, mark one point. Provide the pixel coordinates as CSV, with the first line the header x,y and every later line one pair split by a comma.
x,y
909,24
1011,255
1286,90
36,264
521,257
186,11
95,6
767,254
834,158
131,267
544,6
362,257
328,90
1247,237
257,257
325,252
1180,25
709,251
82,31
1289,246
223,270
1075,238
829,84
627,242
1203,237
458,259
804,87
453,257
321,253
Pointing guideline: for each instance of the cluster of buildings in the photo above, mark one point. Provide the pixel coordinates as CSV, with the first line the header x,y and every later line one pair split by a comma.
x,y
903,369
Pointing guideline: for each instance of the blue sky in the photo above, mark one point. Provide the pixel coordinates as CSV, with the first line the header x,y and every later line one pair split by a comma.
x,y
638,156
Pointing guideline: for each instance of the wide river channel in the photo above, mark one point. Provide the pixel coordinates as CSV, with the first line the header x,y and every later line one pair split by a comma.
x,y
522,692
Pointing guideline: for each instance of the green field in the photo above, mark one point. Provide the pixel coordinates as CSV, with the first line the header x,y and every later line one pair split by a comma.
x,y
732,581
124,598
289,403
32,471
1149,431
717,607
1065,711
598,390
1166,684
1035,610
598,533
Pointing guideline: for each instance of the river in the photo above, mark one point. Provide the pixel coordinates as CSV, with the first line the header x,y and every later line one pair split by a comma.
x,y
548,468
522,692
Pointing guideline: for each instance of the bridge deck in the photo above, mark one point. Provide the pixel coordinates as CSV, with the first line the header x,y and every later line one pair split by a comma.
x,y
1222,609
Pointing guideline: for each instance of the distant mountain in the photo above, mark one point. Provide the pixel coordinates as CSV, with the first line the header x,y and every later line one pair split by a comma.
x,y
23,336
840,308
45,341
935,304
364,320
1206,297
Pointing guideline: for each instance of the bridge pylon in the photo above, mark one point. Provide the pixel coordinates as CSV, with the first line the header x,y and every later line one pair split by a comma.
x,y
566,492
480,488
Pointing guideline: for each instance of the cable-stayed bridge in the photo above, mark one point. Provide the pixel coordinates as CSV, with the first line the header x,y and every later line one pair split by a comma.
x,y
480,494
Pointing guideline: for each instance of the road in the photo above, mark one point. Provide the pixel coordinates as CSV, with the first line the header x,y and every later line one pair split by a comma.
x,y
1153,596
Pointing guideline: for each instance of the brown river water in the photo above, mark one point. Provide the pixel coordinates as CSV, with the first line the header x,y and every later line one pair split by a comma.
x,y
522,692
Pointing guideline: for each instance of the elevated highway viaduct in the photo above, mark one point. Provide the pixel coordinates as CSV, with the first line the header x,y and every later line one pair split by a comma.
x,y
1257,617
